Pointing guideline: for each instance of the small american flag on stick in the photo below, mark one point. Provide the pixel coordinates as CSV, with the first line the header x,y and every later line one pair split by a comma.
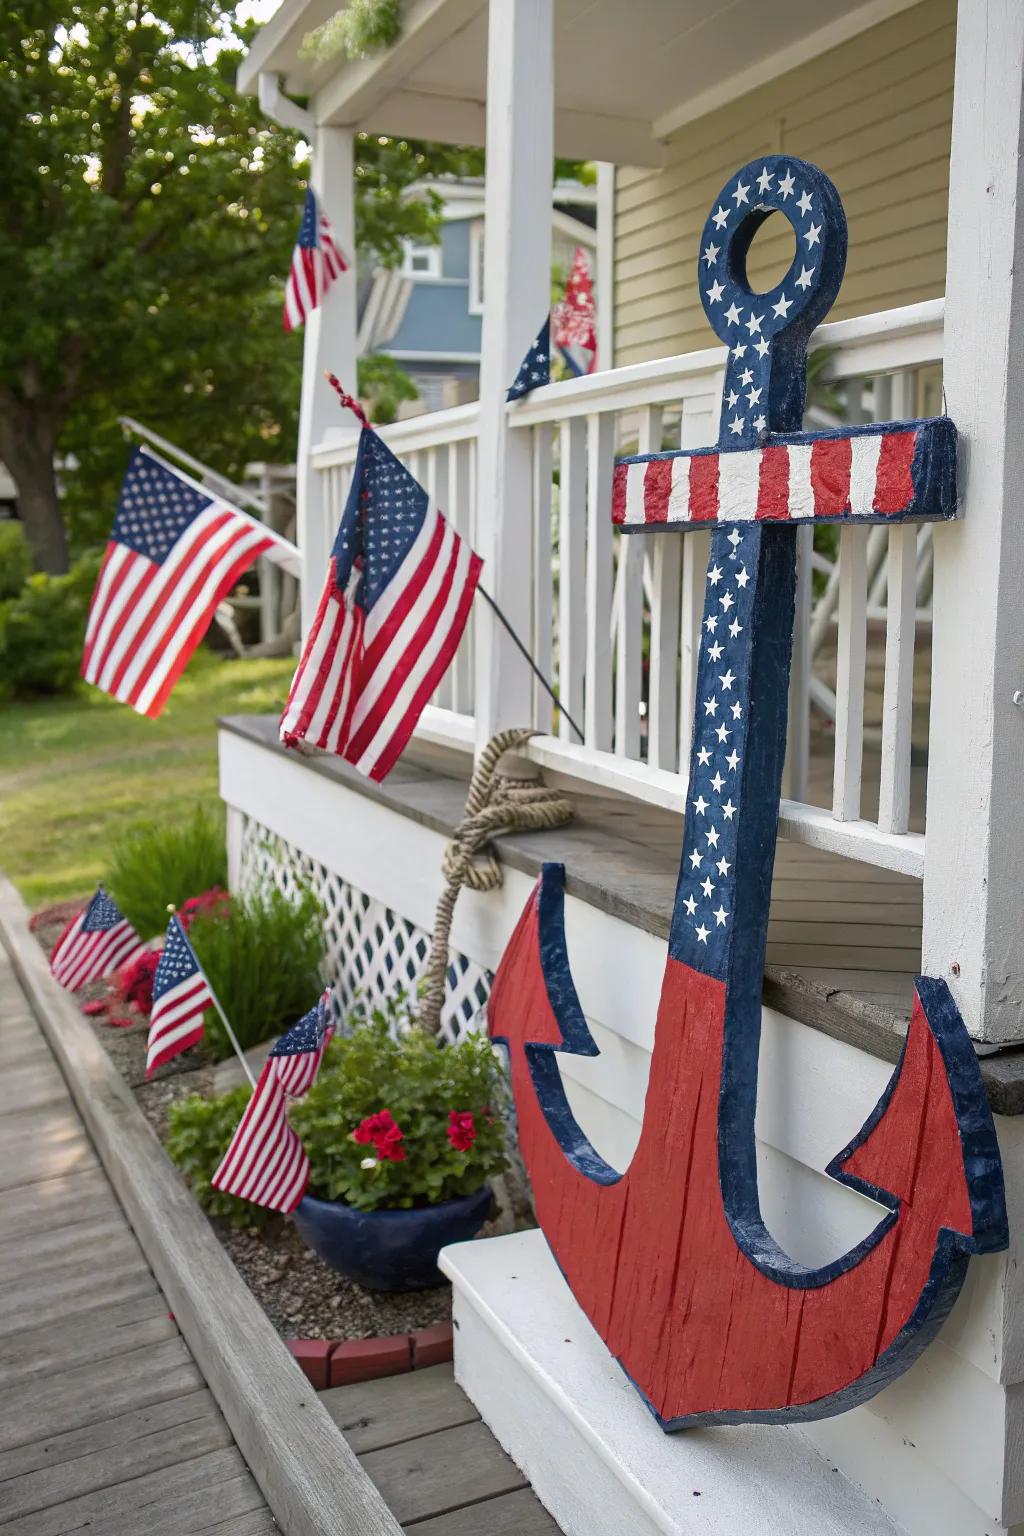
x,y
175,551
181,995
99,940
316,262
399,589
266,1162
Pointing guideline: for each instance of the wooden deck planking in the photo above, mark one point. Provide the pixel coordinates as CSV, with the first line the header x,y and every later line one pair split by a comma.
x,y
437,1465
106,1424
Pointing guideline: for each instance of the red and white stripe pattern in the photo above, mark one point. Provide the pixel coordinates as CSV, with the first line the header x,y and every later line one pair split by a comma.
x,y
316,262
398,595
266,1162
860,476
181,996
175,551
99,940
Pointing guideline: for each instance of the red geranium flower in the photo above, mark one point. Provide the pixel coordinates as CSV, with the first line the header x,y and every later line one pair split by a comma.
x,y
135,982
385,1135
215,900
461,1129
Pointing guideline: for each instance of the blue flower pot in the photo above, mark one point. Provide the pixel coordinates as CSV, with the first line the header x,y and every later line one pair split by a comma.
x,y
389,1250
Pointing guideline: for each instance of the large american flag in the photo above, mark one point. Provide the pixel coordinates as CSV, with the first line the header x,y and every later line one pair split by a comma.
x,y
265,1161
316,262
398,594
99,940
181,995
175,550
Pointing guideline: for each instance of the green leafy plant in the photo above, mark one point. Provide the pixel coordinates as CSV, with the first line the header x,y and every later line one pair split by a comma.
x,y
383,385
364,27
15,559
396,1120
199,1133
42,630
160,863
263,955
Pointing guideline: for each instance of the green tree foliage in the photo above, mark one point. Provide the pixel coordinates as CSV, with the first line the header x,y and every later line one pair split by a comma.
x,y
147,217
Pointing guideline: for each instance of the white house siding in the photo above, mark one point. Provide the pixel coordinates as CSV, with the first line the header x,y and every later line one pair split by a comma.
x,y
873,112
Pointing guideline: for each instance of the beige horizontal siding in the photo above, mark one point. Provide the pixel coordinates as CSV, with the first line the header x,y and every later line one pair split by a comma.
x,y
874,113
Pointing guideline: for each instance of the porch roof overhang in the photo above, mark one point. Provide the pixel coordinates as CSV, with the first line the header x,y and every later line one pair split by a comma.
x,y
627,77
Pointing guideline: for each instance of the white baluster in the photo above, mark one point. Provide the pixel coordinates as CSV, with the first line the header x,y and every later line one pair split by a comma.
x,y
597,703
798,746
850,674
543,577
898,695
572,546
630,614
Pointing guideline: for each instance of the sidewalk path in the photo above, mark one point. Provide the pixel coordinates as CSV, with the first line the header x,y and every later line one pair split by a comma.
x,y
106,1425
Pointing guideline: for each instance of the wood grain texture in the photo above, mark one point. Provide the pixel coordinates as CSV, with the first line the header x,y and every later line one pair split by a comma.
x,y
510,1514
375,1414
310,1477
441,1472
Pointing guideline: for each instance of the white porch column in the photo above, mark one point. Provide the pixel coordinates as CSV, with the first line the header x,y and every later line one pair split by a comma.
x,y
517,284
974,864
605,265
330,342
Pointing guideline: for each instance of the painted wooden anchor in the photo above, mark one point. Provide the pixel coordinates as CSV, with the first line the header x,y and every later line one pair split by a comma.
x,y
671,1260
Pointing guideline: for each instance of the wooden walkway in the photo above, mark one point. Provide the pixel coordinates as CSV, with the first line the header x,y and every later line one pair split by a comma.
x,y
437,1465
106,1425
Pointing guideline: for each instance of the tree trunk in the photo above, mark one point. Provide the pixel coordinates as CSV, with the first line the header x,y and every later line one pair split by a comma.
x,y
28,455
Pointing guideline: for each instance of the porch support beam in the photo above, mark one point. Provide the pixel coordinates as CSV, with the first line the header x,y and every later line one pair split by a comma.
x,y
973,926
517,283
329,342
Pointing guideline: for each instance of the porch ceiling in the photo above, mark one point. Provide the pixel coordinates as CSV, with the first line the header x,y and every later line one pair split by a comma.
x,y
626,75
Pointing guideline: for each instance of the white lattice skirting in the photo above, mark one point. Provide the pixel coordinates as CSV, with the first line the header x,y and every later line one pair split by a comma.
x,y
372,952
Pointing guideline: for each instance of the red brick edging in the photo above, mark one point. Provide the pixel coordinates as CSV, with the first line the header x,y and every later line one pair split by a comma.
x,y
329,1364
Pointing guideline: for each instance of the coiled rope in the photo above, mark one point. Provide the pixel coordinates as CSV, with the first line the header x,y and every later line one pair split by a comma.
x,y
496,804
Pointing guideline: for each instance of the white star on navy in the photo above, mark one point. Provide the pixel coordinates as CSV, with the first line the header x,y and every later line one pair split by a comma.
x,y
535,368
154,508
748,368
704,913
306,1035
177,961
385,511
102,914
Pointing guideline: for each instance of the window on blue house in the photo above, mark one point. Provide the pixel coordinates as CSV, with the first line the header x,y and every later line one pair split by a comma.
x,y
422,261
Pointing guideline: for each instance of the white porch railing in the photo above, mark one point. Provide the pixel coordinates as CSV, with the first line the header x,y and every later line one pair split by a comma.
x,y
615,621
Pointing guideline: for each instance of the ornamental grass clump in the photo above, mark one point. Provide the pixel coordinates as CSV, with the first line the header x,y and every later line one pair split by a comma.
x,y
166,862
396,1120
263,955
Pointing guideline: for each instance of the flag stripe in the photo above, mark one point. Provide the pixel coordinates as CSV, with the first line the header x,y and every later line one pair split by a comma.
x,y
98,940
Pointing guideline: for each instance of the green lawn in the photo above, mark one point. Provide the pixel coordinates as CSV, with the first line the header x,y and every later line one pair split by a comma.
x,y
77,772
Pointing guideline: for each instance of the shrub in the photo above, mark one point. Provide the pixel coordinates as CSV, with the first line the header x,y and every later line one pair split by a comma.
x,y
263,955
158,863
399,1120
42,630
200,1130
15,559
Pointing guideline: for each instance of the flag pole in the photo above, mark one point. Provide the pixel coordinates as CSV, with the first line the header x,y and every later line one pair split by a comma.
x,y
223,1016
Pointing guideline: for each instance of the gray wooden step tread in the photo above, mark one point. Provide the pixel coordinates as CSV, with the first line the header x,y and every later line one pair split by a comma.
x,y
438,1466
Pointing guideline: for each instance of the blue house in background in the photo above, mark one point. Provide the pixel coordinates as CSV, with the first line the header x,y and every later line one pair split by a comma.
x,y
427,314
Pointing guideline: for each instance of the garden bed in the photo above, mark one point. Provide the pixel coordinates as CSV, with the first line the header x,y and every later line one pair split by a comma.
x,y
302,1297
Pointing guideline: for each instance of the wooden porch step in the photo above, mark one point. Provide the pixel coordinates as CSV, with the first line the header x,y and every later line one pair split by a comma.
x,y
437,1465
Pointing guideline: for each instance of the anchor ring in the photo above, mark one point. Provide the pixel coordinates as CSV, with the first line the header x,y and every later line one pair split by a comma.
x,y
809,200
